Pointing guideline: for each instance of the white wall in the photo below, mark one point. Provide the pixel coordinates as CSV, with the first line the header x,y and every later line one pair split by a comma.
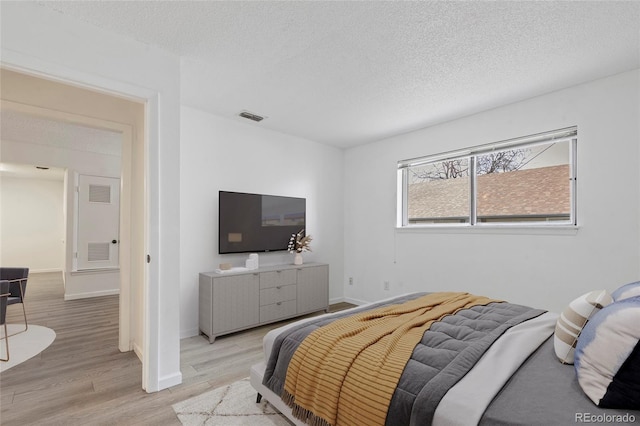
x,y
44,42
223,154
32,223
538,270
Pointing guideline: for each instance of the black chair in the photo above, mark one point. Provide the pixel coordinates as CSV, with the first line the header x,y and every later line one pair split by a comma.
x,y
4,296
17,278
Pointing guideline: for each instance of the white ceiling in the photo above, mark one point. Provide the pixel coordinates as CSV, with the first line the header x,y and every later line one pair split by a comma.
x,y
25,128
27,171
347,73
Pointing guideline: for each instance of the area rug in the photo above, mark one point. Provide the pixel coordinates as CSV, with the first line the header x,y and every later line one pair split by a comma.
x,y
23,346
234,404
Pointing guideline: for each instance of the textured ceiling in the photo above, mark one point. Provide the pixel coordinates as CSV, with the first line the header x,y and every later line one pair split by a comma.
x,y
346,73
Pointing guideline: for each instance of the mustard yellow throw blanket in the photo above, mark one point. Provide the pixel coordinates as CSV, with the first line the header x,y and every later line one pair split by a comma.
x,y
345,373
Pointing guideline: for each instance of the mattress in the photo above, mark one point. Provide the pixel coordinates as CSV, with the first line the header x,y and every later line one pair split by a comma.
x,y
520,379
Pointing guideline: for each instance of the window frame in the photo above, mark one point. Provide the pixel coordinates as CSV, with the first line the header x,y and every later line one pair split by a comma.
x,y
569,134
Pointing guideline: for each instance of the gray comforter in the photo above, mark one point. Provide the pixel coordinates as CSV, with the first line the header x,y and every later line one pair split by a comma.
x,y
448,350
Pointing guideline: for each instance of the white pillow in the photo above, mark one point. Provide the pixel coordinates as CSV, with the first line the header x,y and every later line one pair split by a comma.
x,y
573,319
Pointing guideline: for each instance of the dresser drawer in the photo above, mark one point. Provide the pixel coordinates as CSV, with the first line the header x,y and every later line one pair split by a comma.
x,y
278,278
281,293
278,310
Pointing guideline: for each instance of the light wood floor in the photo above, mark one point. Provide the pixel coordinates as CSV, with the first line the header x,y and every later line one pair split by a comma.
x,y
82,378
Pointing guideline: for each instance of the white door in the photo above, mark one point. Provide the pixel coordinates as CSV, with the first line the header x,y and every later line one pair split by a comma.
x,y
98,223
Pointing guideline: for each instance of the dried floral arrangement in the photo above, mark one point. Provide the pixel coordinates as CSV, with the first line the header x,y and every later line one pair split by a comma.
x,y
299,242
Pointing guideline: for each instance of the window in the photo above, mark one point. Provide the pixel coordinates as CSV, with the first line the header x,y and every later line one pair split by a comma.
x,y
524,181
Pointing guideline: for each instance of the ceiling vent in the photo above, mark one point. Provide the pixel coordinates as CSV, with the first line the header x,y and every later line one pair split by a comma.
x,y
251,116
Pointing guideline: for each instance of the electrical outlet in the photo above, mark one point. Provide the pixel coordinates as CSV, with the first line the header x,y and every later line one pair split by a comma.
x,y
350,280
386,285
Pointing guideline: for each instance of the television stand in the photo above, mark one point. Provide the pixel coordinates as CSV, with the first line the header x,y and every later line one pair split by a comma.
x,y
243,299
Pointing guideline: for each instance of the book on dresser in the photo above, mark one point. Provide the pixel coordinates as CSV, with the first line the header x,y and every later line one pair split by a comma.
x,y
239,299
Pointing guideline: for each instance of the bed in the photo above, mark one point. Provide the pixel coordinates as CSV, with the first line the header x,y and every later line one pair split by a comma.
x,y
492,363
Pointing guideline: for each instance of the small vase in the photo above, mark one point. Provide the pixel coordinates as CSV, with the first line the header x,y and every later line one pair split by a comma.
x,y
297,259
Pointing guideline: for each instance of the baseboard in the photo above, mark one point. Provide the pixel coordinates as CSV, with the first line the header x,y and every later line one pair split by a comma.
x,y
336,300
347,300
191,332
44,271
137,350
169,381
91,294
355,301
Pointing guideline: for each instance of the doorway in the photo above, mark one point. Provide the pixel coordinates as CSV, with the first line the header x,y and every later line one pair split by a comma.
x,y
70,105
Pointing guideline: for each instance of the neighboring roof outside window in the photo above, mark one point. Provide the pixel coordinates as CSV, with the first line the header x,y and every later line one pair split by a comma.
x,y
543,191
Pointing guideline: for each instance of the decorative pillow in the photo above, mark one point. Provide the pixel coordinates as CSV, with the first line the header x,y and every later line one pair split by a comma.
x,y
626,291
573,319
608,356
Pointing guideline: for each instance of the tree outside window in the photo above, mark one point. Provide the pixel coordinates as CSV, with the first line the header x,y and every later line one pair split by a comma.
x,y
527,183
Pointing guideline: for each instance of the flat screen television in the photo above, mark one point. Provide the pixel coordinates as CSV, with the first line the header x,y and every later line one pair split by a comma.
x,y
257,222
